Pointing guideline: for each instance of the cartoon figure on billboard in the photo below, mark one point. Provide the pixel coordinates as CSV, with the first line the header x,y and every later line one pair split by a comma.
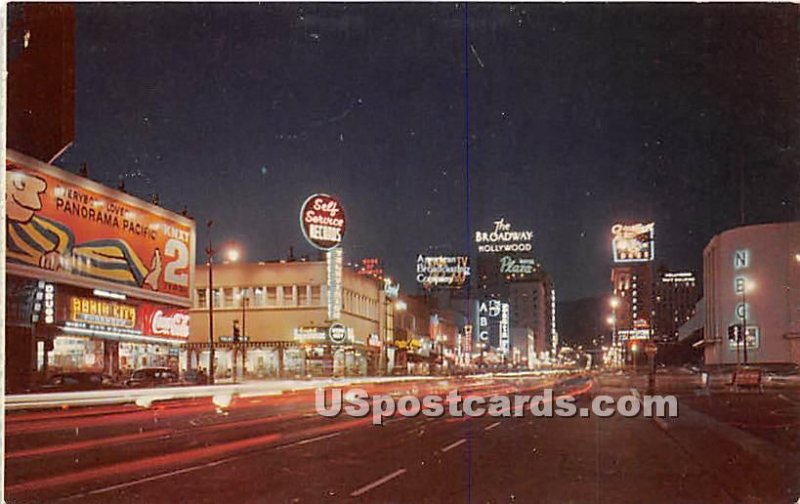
x,y
38,241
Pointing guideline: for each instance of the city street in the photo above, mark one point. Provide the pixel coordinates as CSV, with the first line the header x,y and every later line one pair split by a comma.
x,y
723,447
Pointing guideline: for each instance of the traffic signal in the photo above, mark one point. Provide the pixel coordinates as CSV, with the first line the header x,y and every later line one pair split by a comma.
x,y
734,333
236,331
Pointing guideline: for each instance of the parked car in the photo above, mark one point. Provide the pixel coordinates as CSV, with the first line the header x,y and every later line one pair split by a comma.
x,y
195,377
153,377
78,380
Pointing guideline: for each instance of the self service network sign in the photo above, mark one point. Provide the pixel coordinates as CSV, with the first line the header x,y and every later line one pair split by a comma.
x,y
322,221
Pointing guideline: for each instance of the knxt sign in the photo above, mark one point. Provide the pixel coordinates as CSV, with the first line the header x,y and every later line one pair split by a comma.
x,y
442,271
322,221
503,239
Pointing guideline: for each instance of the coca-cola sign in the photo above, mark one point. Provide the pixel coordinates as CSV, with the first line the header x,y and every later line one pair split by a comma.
x,y
322,221
165,322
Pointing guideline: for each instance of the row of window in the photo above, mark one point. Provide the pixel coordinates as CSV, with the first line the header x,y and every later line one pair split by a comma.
x,y
280,295
286,296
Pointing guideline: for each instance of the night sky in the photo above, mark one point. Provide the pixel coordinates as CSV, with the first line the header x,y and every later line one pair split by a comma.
x,y
579,116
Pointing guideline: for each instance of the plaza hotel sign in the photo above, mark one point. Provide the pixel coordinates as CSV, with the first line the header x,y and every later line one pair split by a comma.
x,y
503,239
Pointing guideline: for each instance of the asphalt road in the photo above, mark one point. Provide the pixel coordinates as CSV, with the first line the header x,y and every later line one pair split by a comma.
x,y
723,447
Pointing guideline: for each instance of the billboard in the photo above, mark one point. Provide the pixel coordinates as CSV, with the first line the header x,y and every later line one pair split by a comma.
x,y
442,271
633,242
65,228
322,221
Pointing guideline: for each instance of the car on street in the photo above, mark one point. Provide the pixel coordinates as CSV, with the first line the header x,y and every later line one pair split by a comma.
x,y
78,381
153,377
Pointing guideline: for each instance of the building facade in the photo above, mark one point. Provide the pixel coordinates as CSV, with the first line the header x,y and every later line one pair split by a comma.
x,y
281,311
676,294
520,282
751,278
632,285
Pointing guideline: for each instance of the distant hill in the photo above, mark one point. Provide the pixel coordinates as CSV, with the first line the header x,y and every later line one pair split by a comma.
x,y
580,321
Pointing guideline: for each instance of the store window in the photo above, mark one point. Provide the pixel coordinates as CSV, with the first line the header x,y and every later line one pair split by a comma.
x,y
217,298
316,295
272,296
201,300
259,296
245,293
76,354
302,295
228,292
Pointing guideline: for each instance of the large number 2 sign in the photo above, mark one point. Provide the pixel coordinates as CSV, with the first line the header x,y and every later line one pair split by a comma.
x,y
175,272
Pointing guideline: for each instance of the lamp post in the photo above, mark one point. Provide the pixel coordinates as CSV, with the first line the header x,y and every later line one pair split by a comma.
x,y
744,287
233,254
612,321
245,302
210,263
614,303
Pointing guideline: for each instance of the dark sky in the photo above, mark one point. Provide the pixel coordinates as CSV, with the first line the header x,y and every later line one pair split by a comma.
x,y
579,116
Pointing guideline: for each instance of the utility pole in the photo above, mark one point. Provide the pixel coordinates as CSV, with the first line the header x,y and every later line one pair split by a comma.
x,y
210,260
245,300
744,322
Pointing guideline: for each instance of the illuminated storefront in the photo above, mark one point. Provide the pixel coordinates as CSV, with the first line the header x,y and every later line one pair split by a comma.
x,y
288,317
92,332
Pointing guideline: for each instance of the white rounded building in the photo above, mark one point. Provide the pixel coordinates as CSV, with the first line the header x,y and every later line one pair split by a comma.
x,y
751,276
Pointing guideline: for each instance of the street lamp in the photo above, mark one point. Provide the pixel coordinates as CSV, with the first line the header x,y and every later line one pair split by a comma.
x,y
233,254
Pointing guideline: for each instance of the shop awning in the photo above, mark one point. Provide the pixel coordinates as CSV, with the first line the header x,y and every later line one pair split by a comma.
x,y
125,337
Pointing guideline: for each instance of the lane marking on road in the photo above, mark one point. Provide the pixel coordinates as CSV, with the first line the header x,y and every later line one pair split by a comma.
x,y
787,399
378,482
149,479
90,444
309,440
490,427
453,445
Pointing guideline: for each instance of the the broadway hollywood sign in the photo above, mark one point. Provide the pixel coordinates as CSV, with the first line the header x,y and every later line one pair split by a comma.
x,y
442,271
503,239
322,221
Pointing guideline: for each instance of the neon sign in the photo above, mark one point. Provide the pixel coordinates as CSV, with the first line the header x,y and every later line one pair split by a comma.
x,y
442,271
503,239
634,242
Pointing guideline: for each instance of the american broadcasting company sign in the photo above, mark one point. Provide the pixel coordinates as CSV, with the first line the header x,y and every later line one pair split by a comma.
x,y
503,239
442,271
322,221
633,243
